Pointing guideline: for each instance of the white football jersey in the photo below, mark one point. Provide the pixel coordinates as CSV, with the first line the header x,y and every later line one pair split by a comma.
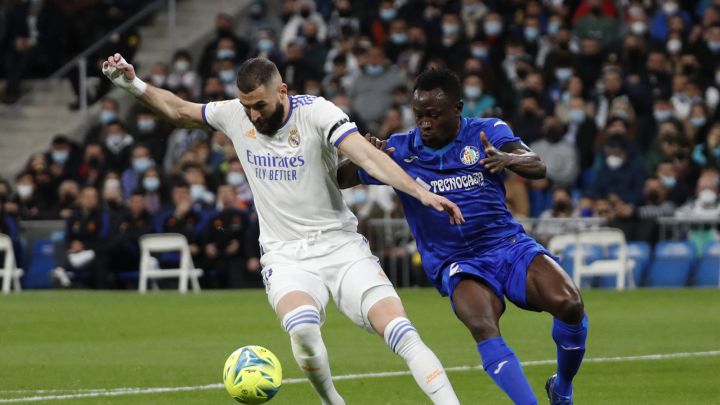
x,y
293,173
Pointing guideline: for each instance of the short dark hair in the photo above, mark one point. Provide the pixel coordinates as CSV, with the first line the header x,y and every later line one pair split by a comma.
x,y
255,72
443,79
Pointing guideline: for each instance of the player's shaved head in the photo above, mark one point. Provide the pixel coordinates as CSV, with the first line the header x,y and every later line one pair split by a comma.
x,y
257,72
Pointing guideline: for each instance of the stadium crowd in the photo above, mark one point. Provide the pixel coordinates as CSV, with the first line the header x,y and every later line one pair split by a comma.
x,y
38,36
620,99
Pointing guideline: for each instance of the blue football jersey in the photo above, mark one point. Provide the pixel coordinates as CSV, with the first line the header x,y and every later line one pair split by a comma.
x,y
455,172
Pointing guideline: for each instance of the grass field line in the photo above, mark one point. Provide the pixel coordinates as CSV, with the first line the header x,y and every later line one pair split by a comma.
x,y
113,392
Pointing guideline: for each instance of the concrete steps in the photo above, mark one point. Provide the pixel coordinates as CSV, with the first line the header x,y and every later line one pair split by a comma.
x,y
29,128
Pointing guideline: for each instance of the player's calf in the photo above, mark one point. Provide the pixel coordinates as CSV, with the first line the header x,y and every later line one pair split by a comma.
x,y
303,325
403,339
570,340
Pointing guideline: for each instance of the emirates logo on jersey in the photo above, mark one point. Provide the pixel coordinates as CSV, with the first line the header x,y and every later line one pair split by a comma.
x,y
294,138
470,155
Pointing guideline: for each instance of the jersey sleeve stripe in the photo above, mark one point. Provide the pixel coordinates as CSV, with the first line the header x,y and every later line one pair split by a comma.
x,y
345,135
204,118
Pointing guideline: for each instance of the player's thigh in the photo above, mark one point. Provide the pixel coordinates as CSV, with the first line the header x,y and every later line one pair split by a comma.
x,y
289,286
549,288
362,285
478,307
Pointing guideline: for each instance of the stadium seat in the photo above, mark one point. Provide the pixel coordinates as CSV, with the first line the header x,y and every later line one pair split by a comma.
x,y
620,266
708,269
639,252
167,242
40,265
9,271
671,264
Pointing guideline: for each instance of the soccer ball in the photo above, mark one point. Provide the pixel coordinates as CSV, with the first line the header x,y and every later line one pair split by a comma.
x,y
252,375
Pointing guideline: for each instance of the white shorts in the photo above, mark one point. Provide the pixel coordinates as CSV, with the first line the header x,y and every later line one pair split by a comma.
x,y
337,263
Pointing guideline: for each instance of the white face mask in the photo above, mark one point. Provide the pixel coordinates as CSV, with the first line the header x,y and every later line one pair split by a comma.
x,y
705,197
24,191
638,27
613,162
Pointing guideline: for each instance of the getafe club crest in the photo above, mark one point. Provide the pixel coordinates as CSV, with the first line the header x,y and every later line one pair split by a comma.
x,y
469,155
294,138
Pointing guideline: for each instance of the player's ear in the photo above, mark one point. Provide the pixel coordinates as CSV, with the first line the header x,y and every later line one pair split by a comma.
x,y
283,89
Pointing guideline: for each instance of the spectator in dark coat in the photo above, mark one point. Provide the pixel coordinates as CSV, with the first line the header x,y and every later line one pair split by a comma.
x,y
619,174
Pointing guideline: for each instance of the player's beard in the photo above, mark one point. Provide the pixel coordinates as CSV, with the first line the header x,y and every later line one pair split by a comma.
x,y
270,125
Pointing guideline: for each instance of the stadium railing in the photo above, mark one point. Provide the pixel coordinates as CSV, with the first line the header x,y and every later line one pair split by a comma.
x,y
80,61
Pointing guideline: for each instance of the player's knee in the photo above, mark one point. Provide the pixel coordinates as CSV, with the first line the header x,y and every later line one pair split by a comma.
x,y
482,327
303,325
571,308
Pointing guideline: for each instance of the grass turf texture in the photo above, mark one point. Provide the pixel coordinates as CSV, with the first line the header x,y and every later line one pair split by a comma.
x,y
65,340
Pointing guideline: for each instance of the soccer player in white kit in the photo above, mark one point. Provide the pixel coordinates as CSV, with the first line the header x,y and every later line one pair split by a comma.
x,y
288,147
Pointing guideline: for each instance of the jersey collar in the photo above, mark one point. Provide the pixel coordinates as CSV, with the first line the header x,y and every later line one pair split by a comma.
x,y
292,107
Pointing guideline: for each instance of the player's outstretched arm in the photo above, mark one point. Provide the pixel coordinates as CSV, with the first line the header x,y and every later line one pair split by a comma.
x,y
514,156
380,166
347,171
178,111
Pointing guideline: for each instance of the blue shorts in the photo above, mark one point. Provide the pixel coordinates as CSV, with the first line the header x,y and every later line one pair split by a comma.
x,y
502,268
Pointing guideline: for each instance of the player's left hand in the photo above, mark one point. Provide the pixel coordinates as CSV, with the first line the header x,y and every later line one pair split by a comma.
x,y
496,161
380,144
441,203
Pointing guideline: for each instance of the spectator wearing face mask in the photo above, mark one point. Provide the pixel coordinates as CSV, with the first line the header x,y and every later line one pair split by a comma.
x,y
92,168
476,101
698,123
258,17
708,50
182,218
528,120
225,45
112,200
562,207
63,158
140,162
151,186
151,132
380,23
304,11
109,112
266,47
676,189
561,156
236,178
182,75
25,204
581,131
117,142
619,174
706,202
67,200
371,92
296,70
452,46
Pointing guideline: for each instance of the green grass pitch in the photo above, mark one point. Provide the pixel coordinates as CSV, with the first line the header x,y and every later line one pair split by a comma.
x,y
64,343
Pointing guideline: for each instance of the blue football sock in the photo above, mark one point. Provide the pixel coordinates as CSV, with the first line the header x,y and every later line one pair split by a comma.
x,y
570,340
503,367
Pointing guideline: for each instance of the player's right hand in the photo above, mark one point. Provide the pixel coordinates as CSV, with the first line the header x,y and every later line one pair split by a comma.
x,y
441,203
122,74
379,144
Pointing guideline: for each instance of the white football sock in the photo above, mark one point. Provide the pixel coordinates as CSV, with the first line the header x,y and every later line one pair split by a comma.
x,y
425,367
303,325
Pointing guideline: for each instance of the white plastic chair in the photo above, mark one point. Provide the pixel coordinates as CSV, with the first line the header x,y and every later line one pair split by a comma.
x,y
167,242
9,271
621,266
558,243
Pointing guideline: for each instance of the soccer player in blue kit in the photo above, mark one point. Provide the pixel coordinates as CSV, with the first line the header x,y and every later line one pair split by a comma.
x,y
490,256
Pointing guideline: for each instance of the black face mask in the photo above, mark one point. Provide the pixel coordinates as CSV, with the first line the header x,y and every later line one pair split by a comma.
x,y
652,197
305,13
561,206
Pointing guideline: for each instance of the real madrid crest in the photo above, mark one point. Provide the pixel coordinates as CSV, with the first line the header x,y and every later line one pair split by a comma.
x,y
294,138
469,155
